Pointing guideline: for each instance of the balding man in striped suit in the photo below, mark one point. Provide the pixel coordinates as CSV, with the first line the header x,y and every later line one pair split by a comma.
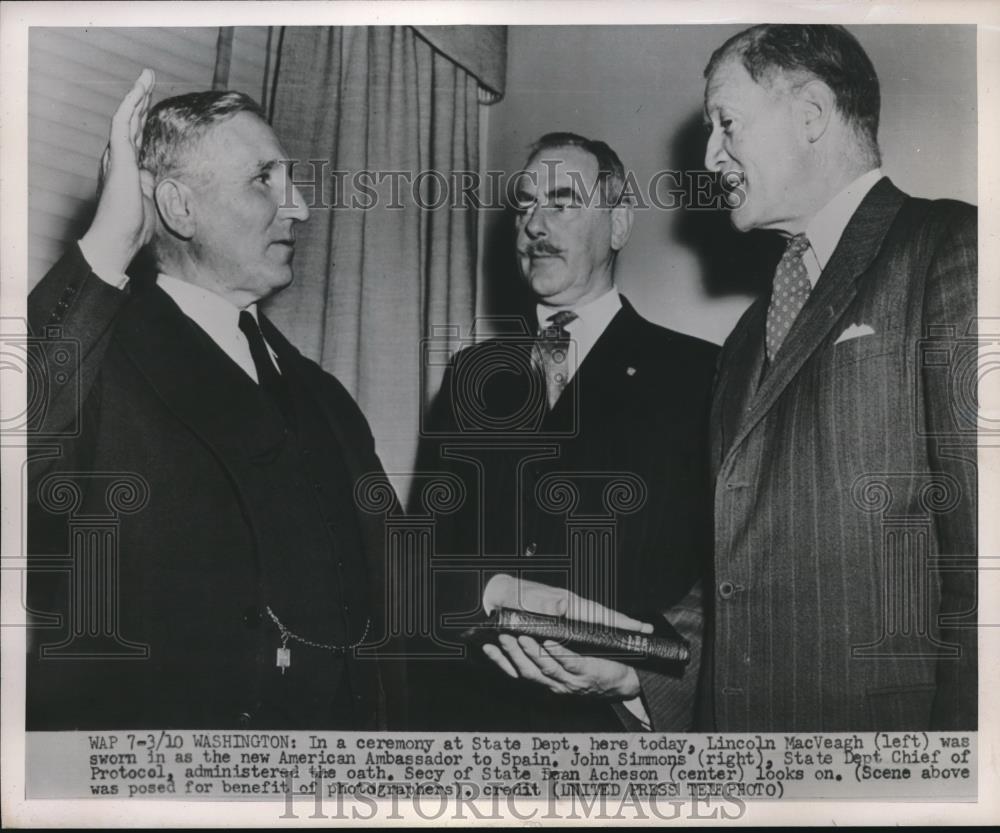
x,y
845,467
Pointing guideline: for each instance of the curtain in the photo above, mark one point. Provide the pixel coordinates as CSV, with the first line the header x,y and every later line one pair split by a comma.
x,y
482,50
373,281
223,58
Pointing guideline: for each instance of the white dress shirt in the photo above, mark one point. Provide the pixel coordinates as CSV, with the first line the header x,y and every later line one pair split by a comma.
x,y
217,317
214,314
591,321
826,228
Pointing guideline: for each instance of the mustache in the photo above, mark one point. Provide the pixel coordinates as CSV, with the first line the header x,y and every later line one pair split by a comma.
x,y
542,247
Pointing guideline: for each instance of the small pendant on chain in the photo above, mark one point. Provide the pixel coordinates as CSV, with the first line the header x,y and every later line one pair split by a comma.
x,y
284,658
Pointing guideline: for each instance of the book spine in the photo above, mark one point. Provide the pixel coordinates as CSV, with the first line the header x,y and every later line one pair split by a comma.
x,y
606,640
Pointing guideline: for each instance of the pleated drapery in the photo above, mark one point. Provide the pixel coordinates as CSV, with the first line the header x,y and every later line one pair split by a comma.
x,y
378,121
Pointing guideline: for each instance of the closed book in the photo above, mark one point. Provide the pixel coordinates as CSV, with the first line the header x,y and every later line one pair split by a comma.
x,y
664,645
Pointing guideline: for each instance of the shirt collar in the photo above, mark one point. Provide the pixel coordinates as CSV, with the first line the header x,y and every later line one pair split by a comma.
x,y
211,312
826,228
594,315
591,321
216,316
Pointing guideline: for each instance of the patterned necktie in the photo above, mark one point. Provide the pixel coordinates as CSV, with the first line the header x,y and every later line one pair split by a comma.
x,y
791,289
553,350
270,380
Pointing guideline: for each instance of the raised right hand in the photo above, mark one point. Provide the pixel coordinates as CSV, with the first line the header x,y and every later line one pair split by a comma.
x,y
125,216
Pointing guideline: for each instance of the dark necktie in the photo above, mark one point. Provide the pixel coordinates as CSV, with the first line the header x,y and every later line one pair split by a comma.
x,y
553,350
270,380
791,289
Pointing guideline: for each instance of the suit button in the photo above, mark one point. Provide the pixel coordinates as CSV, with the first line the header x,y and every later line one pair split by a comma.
x,y
531,549
244,718
252,617
727,589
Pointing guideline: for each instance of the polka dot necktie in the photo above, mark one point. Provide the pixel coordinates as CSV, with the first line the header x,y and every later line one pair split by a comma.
x,y
553,350
791,289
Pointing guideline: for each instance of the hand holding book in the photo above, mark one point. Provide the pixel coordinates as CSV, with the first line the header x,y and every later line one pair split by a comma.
x,y
556,615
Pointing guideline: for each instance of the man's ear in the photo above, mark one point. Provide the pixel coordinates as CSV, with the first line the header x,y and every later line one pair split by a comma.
x,y
173,200
817,105
621,225
147,184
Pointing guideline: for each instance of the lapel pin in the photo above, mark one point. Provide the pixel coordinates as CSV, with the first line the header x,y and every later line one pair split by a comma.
x,y
630,371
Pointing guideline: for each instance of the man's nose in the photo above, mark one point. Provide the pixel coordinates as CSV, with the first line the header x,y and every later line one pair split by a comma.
x,y
295,207
534,223
715,155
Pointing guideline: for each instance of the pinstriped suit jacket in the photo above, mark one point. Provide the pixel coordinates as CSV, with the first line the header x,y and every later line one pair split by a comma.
x,y
845,490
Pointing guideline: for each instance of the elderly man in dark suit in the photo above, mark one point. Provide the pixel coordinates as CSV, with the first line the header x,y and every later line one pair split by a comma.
x,y
844,466
583,449
227,576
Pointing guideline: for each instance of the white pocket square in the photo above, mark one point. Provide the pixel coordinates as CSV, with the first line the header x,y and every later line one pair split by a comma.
x,y
855,331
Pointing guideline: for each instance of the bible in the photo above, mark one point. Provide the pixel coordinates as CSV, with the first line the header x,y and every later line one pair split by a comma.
x,y
664,645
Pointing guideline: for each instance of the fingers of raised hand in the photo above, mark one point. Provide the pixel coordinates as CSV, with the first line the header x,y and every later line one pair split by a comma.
x,y
102,173
137,119
126,123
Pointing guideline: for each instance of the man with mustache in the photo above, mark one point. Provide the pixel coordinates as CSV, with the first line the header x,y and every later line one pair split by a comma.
x,y
240,576
593,399
844,463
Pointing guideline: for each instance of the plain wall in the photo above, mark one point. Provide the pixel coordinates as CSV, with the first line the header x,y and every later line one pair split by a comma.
x,y
76,79
640,89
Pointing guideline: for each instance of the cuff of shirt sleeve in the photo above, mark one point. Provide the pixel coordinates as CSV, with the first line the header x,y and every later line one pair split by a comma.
x,y
111,276
638,710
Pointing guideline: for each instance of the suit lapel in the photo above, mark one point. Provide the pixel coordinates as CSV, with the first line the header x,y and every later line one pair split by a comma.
x,y
292,363
195,378
357,459
836,288
605,365
738,379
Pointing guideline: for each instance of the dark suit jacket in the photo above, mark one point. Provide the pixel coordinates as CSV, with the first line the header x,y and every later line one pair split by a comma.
x,y
845,490
154,403
616,473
